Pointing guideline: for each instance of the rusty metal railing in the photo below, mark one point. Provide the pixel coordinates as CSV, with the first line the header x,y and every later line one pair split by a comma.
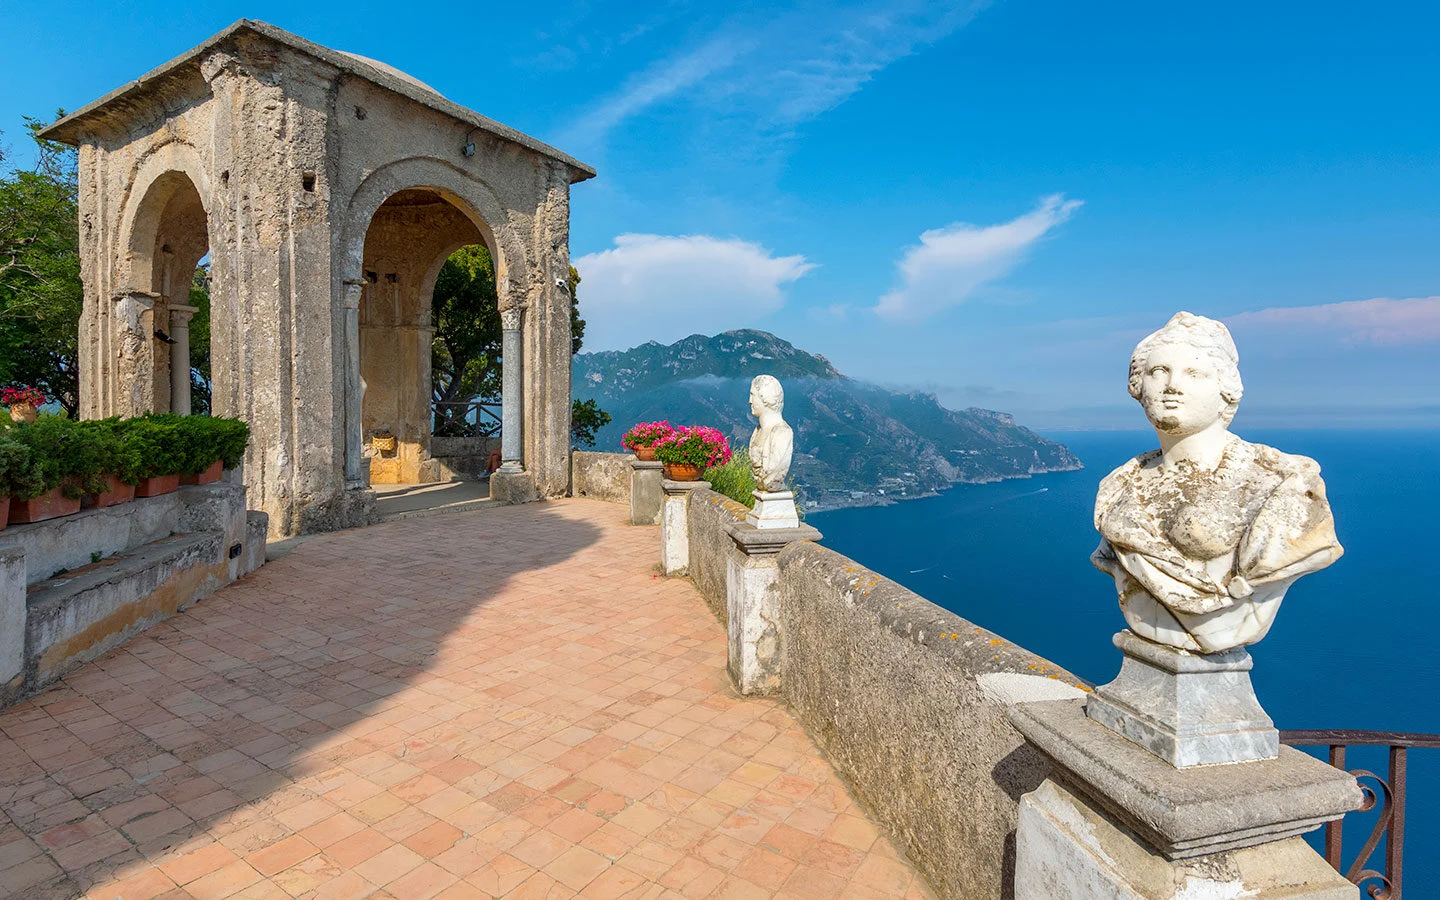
x,y
1388,793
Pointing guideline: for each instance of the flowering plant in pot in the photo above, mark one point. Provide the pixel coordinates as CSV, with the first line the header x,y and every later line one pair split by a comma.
x,y
690,449
24,402
642,437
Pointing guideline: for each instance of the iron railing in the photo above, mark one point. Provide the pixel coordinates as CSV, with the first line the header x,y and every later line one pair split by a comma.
x,y
465,418
1388,793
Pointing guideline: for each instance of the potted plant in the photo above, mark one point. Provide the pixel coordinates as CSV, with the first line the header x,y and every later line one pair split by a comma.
x,y
120,464
211,445
18,472
689,450
159,443
69,458
642,437
24,402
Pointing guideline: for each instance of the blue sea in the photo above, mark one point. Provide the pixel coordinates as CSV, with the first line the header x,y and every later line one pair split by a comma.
x,y
1355,646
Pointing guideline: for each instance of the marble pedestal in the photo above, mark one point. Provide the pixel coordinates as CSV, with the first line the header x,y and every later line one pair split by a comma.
x,y
675,525
647,493
752,604
1115,821
1189,709
774,509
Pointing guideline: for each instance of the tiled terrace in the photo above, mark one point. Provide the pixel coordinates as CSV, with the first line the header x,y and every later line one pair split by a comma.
x,y
500,703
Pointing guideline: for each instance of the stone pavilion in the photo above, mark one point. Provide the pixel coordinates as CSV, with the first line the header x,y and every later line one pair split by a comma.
x,y
326,190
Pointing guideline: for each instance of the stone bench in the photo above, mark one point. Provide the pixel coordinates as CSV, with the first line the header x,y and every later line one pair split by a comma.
x,y
75,587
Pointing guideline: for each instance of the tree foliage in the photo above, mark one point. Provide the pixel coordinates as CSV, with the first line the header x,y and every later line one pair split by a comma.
x,y
466,357
40,290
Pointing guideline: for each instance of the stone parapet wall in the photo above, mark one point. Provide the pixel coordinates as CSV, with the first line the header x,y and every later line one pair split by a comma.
x,y
601,476
710,517
909,702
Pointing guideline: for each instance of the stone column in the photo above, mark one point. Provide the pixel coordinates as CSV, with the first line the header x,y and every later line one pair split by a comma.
x,y
752,604
135,374
512,410
675,525
354,390
647,491
180,358
12,621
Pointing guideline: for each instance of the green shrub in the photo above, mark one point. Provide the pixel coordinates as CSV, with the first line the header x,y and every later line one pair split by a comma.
x,y
19,473
157,442
69,456
734,479
119,456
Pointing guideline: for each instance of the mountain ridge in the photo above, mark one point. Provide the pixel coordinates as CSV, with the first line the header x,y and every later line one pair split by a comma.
x,y
856,444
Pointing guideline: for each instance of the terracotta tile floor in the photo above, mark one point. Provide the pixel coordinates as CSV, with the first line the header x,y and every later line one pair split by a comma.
x,y
500,703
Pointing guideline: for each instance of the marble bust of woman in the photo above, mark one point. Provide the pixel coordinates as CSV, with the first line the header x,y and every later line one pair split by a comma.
x,y
1204,536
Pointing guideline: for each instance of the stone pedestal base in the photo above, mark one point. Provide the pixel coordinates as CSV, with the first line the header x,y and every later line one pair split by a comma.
x,y
1184,813
512,487
1069,848
752,604
1189,709
774,509
647,492
675,525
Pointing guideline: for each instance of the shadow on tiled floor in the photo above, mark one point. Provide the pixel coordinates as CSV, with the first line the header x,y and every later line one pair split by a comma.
x,y
504,703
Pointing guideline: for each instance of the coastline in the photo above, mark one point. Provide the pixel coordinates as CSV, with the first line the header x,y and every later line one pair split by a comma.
x,y
869,499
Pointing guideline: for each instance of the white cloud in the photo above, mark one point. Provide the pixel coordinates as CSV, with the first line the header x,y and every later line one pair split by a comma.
x,y
949,263
760,78
666,287
1378,321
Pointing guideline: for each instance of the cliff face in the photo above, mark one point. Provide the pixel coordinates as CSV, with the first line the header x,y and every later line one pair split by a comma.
x,y
855,443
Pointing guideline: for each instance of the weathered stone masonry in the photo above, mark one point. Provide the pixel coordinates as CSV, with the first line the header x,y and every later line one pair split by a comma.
x,y
327,190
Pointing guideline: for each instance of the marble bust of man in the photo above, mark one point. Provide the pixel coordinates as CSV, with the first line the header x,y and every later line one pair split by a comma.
x,y
1204,536
772,444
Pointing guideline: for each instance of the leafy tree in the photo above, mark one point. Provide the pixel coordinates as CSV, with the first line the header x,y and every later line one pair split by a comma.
x,y
465,359
200,400
586,418
40,290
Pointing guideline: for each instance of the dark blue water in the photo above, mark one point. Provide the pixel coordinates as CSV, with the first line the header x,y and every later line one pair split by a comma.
x,y
1355,646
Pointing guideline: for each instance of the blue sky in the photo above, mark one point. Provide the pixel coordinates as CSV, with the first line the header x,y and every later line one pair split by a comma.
x,y
992,201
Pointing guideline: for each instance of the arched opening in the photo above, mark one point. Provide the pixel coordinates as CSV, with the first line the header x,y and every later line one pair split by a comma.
x,y
407,243
167,263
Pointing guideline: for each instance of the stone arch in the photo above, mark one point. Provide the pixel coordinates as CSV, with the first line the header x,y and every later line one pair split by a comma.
x,y
165,230
156,181
468,194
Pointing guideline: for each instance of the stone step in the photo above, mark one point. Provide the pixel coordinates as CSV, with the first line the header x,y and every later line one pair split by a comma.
x,y
78,615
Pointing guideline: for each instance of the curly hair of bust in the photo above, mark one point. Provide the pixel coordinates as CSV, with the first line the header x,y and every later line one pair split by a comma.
x,y
767,388
1210,337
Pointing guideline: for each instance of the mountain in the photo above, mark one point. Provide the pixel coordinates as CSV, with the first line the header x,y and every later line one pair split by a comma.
x,y
855,443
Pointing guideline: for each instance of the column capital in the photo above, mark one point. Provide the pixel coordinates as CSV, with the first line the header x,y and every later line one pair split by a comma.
x,y
510,316
351,297
181,315
145,299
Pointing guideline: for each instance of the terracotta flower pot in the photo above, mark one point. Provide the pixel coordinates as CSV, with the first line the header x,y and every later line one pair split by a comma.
x,y
682,472
209,476
50,505
116,491
22,412
157,485
645,454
